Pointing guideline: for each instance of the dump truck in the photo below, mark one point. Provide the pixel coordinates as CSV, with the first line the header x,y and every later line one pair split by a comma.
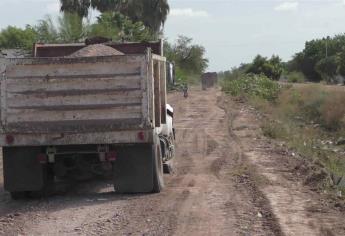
x,y
79,117
209,80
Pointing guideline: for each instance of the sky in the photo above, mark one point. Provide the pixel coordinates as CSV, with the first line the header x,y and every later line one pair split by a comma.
x,y
232,31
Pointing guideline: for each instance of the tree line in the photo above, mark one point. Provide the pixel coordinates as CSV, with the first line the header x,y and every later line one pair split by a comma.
x,y
320,60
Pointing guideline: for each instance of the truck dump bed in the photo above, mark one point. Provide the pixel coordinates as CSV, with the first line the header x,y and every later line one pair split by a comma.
x,y
55,101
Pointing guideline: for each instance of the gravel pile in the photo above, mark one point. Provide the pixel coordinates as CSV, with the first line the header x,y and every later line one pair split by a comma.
x,y
96,50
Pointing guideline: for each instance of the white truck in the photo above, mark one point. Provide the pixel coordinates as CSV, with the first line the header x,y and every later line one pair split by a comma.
x,y
76,118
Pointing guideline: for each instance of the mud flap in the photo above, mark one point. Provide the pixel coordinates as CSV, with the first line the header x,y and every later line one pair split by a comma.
x,y
22,171
133,169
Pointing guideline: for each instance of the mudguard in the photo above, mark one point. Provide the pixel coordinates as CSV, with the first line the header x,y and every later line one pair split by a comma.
x,y
22,171
133,169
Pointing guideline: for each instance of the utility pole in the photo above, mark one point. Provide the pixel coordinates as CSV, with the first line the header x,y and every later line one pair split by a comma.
x,y
327,39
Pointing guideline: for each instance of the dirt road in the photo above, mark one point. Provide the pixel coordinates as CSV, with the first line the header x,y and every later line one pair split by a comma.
x,y
229,180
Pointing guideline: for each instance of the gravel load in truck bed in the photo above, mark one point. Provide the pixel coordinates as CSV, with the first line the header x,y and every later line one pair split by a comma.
x,y
96,50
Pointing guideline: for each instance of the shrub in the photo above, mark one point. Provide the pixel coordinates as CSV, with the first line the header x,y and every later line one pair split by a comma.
x,y
296,77
333,111
273,130
314,104
252,85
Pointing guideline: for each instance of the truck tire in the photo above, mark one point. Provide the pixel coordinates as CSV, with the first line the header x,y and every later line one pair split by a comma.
x,y
139,169
19,195
158,181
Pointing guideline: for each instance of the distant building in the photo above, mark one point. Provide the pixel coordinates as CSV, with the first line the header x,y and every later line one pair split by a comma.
x,y
209,80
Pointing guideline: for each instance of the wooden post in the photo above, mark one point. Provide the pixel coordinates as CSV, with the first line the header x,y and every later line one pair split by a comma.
x,y
157,97
163,89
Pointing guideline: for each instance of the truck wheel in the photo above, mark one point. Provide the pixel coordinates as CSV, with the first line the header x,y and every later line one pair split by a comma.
x,y
19,195
168,167
158,181
139,169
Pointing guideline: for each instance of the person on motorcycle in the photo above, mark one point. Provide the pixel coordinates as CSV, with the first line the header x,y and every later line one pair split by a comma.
x,y
185,90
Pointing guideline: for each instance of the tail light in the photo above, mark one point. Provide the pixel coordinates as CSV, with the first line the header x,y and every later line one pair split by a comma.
x,y
9,139
42,158
141,136
111,156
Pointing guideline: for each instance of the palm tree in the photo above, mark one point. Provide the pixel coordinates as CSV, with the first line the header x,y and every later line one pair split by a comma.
x,y
153,13
76,6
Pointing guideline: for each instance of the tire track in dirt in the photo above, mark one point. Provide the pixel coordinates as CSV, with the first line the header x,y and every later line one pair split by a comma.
x,y
298,210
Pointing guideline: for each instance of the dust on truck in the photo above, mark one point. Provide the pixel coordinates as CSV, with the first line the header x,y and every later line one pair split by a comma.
x,y
76,118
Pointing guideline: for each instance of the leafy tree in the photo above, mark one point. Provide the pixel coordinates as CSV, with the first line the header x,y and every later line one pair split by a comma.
x,y
153,13
309,60
119,27
271,68
295,77
327,68
81,7
341,62
46,31
72,28
188,57
13,37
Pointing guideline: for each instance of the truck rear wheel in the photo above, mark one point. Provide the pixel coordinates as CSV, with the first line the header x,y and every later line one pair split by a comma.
x,y
19,195
139,169
158,181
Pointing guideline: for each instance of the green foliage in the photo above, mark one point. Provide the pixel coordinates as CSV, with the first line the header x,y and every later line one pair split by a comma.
x,y
13,37
106,26
272,68
188,57
72,28
81,7
295,77
320,59
153,13
119,27
252,85
234,73
46,31
327,68
180,76
273,130
341,62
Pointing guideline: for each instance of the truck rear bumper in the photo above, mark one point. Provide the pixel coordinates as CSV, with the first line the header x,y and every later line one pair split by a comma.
x,y
118,137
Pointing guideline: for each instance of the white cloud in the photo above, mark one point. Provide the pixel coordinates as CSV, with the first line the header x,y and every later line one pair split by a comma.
x,y
188,12
287,6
